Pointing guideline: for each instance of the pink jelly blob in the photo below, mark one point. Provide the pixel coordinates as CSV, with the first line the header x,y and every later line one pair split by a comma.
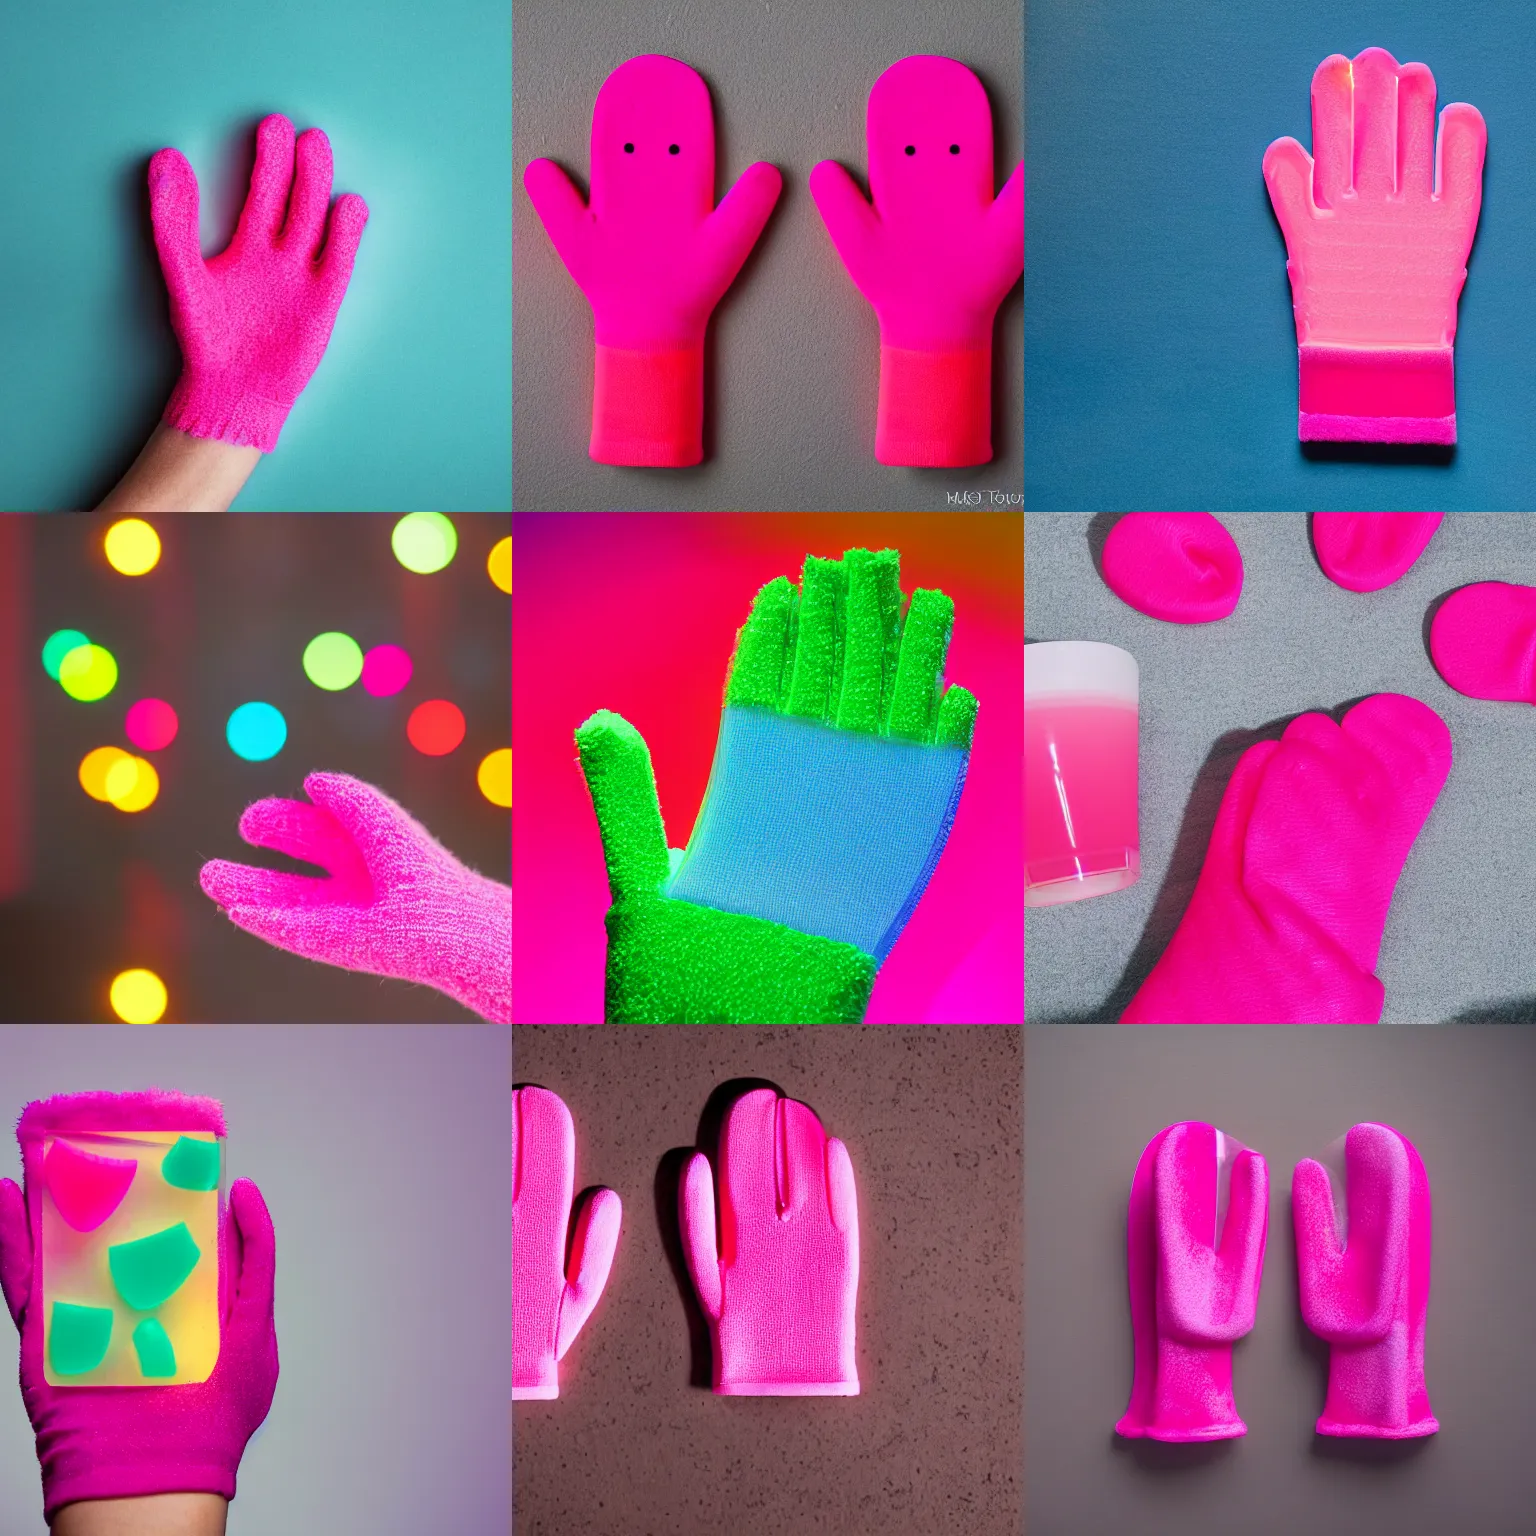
x,y
386,670
151,725
1181,567
86,1188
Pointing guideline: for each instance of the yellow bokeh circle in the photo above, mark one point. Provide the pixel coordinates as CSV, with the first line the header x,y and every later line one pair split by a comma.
x,y
132,547
138,997
495,777
132,784
88,673
500,564
94,768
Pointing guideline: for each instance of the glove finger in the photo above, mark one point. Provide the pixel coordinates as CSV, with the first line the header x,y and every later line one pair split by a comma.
x,y
872,642
730,232
348,220
1416,130
616,764
562,210
15,1249
254,1242
924,644
326,934
764,654
311,193
818,640
1288,176
1374,74
379,828
842,1193
299,829
800,1146
543,1151
271,177
1332,130
955,725
1006,217
592,1248
241,885
173,210
696,1199
1459,172
1247,1221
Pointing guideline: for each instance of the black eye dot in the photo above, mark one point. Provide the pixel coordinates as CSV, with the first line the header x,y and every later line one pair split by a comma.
x,y
671,149
954,149
911,149
629,149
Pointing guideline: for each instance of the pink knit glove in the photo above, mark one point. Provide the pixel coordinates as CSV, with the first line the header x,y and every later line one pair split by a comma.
x,y
128,1442
652,254
397,902
1286,920
1194,1280
780,1288
549,1310
1483,641
935,255
1181,567
254,321
1365,1283
1366,551
1378,227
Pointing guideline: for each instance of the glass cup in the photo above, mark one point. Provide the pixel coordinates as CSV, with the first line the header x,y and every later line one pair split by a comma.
x,y
1081,835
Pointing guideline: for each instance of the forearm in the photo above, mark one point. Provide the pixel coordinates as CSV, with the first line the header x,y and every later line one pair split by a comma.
x,y
179,473
163,1514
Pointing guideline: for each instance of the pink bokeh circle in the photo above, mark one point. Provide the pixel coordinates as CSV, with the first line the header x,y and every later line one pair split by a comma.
x,y
151,725
386,670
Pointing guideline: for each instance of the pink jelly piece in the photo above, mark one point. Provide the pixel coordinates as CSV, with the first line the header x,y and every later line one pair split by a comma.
x,y
86,1188
386,670
1484,641
151,725
1365,551
1182,567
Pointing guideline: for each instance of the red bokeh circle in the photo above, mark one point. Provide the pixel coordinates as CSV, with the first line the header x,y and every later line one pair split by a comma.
x,y
435,727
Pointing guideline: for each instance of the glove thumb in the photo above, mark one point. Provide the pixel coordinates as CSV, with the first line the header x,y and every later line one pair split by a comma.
x,y
15,1249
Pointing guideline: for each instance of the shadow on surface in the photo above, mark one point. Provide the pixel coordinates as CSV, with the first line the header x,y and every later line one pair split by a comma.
x,y
1439,454
1100,526
1429,618
1162,1456
1517,1010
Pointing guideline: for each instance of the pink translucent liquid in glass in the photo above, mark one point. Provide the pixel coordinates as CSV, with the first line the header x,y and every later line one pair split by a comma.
x,y
1080,792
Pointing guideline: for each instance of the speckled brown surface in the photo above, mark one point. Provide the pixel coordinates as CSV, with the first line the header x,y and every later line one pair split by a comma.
x,y
635,1446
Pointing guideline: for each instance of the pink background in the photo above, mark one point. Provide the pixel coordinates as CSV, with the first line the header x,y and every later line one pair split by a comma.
x,y
638,613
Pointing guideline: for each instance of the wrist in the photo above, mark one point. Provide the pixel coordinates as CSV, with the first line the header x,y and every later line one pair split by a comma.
x,y
165,1514
1376,394
1374,1392
1194,1393
935,407
648,406
218,407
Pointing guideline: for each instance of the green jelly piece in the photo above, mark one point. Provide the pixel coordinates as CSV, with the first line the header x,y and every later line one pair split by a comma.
x,y
153,1269
192,1165
78,1339
156,1356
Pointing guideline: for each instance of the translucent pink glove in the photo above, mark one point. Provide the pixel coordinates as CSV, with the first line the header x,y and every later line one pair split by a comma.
x,y
1365,551
935,255
1364,1272
128,1442
397,902
254,321
1378,228
549,1310
1286,920
1194,1278
652,254
1483,640
1182,567
779,1289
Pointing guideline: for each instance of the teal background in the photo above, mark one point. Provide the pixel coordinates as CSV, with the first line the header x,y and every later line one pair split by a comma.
x,y
411,407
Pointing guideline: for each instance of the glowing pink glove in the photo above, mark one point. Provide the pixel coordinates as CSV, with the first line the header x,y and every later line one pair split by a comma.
x,y
1182,567
128,1442
548,1310
397,902
652,254
254,321
779,1290
1286,920
1364,1272
1194,1279
935,255
1484,641
1365,551
1378,228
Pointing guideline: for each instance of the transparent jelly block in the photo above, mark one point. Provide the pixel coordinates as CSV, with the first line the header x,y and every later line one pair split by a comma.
x,y
130,1253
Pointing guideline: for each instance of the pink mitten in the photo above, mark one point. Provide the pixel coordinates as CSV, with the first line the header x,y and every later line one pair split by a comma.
x,y
1484,641
1286,920
652,254
254,321
935,255
128,1442
1179,566
397,902
548,1311
1194,1272
1365,551
1378,224
1364,1271
780,1287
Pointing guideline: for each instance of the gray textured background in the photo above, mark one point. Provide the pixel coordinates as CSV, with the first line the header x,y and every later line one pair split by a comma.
x,y
793,350
1095,1097
637,1444
382,1154
1459,941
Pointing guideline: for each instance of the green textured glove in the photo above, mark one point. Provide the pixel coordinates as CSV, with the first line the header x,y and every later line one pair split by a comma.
x,y
829,677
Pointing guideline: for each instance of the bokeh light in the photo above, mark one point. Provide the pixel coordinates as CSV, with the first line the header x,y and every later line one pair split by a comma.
x,y
424,542
151,725
386,670
132,784
138,997
132,547
333,661
500,564
495,776
256,732
57,646
88,673
435,728
94,768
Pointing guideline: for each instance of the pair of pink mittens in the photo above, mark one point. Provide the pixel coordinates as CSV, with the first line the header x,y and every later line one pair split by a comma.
x,y
932,250
1194,1271
778,1286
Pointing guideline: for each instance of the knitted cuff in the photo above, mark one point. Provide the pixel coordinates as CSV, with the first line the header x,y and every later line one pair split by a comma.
x,y
131,1482
935,408
1377,395
648,407
206,406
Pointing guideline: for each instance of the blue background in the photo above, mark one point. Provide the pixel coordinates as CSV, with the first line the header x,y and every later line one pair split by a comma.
x,y
1160,350
411,406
